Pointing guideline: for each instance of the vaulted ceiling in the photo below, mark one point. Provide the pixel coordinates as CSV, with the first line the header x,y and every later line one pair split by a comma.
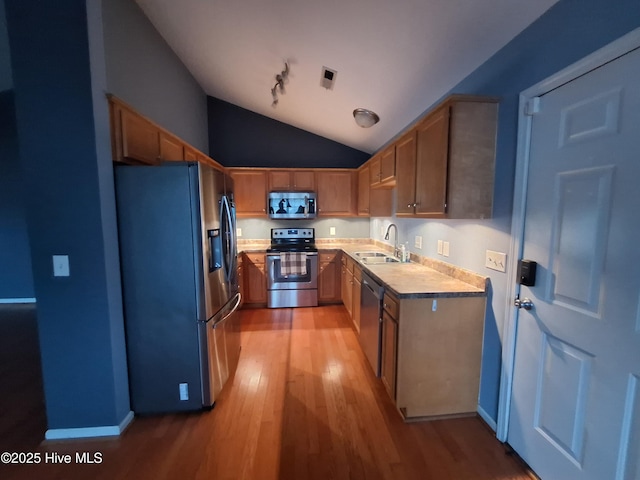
x,y
394,57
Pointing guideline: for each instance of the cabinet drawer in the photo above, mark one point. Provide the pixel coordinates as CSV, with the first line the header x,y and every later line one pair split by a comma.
x,y
255,257
357,273
391,305
327,256
350,264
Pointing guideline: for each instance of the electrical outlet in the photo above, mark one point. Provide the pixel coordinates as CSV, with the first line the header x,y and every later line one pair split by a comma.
x,y
418,241
332,231
439,247
445,249
61,265
239,232
184,391
496,261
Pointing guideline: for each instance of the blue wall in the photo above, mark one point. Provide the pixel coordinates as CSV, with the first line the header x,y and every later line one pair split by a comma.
x,y
16,281
569,31
241,138
70,210
143,71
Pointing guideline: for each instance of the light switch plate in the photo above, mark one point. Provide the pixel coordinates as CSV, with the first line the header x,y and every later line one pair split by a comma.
x,y
238,232
439,247
61,265
445,249
332,231
496,261
418,241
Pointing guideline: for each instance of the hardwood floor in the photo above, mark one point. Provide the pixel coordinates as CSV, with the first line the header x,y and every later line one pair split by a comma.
x,y
303,404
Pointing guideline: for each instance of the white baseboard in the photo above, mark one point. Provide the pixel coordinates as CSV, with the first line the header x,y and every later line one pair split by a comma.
x,y
489,421
17,300
107,431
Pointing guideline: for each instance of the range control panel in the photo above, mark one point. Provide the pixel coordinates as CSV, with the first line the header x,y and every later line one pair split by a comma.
x,y
292,233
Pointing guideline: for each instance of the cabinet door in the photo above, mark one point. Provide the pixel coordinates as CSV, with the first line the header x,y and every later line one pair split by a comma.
x,y
336,193
279,181
139,138
375,173
170,148
304,180
329,276
406,174
190,155
241,276
256,280
250,192
388,167
388,362
432,151
363,191
328,282
356,297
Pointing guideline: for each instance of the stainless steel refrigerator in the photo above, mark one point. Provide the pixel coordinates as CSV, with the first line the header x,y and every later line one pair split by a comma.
x,y
176,228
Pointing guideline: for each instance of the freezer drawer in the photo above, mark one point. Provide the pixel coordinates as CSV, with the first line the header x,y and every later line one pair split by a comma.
x,y
219,350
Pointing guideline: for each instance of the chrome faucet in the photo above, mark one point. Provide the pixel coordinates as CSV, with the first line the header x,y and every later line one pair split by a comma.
x,y
395,244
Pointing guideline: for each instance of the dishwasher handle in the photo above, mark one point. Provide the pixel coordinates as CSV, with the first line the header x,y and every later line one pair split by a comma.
x,y
375,289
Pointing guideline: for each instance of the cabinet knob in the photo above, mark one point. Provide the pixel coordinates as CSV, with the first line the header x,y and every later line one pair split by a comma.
x,y
409,205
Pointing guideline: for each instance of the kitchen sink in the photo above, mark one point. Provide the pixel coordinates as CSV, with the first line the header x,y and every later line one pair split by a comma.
x,y
379,259
370,254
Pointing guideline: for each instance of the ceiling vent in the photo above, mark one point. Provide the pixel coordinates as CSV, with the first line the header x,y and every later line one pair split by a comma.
x,y
328,78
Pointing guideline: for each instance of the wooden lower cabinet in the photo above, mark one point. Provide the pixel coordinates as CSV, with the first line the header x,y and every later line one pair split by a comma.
x,y
438,354
241,288
255,281
347,284
356,294
329,272
389,353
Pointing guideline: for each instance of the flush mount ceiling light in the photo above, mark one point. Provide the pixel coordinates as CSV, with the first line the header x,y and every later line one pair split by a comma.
x,y
365,118
281,79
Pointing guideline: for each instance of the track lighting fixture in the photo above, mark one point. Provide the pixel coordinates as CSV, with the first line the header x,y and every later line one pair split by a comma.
x,y
281,79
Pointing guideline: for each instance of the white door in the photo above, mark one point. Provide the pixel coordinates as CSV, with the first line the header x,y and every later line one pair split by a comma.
x,y
575,406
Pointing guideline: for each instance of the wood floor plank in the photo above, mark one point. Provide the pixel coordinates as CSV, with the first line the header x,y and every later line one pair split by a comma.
x,y
303,404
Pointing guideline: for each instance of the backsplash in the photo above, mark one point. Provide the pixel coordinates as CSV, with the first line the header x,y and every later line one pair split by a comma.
x,y
259,228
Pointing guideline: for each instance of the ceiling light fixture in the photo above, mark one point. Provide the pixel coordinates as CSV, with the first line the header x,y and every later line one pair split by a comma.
x,y
365,118
281,79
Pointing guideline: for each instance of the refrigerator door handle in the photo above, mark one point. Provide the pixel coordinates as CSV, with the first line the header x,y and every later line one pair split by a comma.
x,y
229,238
237,300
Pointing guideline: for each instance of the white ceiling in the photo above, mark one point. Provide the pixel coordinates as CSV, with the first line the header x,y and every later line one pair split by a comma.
x,y
394,57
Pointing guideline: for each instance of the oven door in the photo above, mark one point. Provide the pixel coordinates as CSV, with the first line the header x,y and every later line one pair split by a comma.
x,y
277,281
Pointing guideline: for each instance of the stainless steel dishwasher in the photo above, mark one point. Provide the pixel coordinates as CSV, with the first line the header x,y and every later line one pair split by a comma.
x,y
371,320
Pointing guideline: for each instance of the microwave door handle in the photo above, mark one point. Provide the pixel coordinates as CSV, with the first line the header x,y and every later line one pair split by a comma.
x,y
306,206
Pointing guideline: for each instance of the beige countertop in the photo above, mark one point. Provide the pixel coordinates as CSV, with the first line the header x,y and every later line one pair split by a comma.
x,y
423,277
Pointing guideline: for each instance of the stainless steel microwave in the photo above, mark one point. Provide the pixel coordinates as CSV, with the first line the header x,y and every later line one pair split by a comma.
x,y
291,205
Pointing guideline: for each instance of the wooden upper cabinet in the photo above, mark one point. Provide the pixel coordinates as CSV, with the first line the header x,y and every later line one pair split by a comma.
x,y
363,191
383,168
190,155
136,139
250,192
406,171
373,202
445,165
336,192
432,147
171,148
139,137
292,180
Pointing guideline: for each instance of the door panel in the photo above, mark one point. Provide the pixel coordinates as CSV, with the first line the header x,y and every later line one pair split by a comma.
x,y
575,408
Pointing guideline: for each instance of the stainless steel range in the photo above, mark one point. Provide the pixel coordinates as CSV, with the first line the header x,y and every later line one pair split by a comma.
x,y
292,268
